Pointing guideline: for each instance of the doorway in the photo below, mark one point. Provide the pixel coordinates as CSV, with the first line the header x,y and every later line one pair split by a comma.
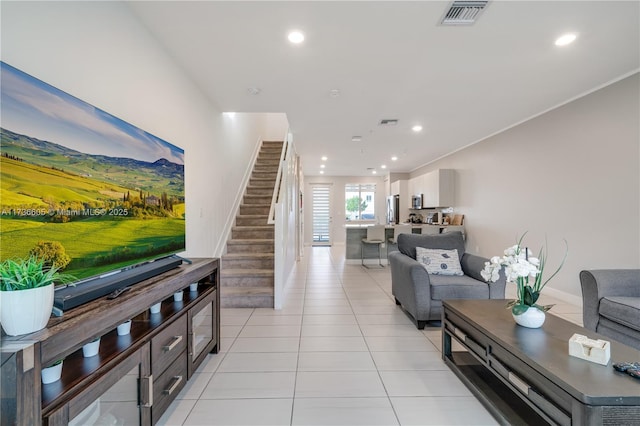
x,y
321,210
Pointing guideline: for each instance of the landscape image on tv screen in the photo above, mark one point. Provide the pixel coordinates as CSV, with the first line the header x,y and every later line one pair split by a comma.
x,y
81,188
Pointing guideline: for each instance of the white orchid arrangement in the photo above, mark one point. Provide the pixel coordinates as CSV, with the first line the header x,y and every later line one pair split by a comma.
x,y
525,271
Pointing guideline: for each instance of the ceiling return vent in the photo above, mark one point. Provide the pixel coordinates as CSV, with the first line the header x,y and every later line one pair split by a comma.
x,y
463,12
388,122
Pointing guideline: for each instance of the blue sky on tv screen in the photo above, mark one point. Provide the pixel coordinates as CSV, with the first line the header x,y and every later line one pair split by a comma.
x,y
34,108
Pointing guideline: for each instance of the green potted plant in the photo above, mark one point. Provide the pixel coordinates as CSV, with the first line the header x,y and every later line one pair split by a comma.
x,y
26,294
52,373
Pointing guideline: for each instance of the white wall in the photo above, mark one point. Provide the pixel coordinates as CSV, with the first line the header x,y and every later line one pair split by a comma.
x,y
572,173
338,233
99,52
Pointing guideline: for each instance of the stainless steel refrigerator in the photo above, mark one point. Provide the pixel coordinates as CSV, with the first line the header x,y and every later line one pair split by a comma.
x,y
393,209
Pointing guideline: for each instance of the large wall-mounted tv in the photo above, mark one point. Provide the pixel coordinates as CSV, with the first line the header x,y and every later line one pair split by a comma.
x,y
79,182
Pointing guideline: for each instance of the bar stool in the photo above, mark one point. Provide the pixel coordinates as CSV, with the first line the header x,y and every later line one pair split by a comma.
x,y
375,235
452,228
429,229
400,229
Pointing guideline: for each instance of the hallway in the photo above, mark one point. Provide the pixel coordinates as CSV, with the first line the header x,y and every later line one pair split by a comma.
x,y
340,352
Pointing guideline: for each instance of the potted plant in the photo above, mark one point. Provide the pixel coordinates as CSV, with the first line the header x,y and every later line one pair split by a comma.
x,y
92,348
26,294
52,373
526,272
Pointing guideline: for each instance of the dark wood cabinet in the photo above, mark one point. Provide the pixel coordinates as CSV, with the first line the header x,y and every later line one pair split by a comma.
x,y
147,368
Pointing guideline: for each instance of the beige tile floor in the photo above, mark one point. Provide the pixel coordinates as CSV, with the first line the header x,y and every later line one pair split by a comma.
x,y
340,352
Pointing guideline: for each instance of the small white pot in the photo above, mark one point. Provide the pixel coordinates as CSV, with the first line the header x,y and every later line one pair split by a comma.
x,y
25,311
51,374
124,328
177,296
92,348
531,318
155,309
193,287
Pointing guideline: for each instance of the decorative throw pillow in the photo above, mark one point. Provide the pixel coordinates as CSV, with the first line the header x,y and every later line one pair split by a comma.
x,y
439,262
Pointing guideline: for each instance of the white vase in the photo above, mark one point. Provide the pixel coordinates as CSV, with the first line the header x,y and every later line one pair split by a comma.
x,y
531,318
124,328
92,348
25,311
193,287
177,296
51,374
155,308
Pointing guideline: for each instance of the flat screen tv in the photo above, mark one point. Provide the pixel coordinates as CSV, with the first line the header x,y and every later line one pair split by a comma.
x,y
83,187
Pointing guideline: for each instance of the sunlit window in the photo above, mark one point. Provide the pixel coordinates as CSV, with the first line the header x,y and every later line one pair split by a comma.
x,y
360,201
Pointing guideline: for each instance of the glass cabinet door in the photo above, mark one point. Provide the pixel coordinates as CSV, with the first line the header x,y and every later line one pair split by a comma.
x,y
122,397
202,324
117,406
203,332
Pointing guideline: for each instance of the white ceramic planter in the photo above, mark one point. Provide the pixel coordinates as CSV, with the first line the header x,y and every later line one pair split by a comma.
x,y
531,318
124,328
155,309
177,296
25,311
51,374
92,348
193,287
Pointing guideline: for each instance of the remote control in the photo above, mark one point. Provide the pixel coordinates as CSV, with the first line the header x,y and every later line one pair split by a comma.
x,y
117,292
624,366
634,373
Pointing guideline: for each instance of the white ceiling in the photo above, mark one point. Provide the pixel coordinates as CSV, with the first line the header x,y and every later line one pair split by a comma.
x,y
393,60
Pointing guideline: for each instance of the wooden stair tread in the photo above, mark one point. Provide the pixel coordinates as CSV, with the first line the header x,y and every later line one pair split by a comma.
x,y
251,240
241,256
227,272
246,291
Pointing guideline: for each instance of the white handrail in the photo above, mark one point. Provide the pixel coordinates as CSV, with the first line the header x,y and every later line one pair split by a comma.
x,y
278,186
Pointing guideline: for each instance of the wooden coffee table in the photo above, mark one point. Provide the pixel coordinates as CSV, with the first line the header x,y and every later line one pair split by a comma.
x,y
526,376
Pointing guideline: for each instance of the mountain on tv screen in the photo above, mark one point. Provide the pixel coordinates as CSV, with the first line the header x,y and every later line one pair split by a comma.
x,y
80,187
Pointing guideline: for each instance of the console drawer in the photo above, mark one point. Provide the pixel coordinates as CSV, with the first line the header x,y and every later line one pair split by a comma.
x,y
168,386
167,345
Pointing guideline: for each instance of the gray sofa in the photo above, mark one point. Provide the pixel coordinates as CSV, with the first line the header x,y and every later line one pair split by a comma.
x,y
421,294
611,303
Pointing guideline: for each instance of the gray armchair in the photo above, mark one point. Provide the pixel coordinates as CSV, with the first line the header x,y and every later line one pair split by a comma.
x,y
611,303
421,294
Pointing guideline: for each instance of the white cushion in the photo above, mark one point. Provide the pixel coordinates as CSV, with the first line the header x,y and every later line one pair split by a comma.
x,y
439,262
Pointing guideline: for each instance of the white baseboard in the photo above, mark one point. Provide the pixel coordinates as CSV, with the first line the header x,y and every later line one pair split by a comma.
x,y
563,295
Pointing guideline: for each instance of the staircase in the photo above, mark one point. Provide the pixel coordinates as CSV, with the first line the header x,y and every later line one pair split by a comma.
x,y
246,276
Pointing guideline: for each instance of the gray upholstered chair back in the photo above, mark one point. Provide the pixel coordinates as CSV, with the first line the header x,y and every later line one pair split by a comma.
x,y
407,243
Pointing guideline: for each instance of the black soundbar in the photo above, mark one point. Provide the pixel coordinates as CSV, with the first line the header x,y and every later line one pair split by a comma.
x,y
71,296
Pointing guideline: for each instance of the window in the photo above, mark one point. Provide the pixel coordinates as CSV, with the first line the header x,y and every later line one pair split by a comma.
x,y
359,201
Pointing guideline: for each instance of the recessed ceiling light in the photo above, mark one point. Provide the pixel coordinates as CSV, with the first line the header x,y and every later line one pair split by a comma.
x,y
321,172
322,166
394,158
356,138
416,128
324,158
565,39
296,37
384,166
374,172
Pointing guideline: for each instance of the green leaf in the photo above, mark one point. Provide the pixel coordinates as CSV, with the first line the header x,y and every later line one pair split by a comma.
x,y
544,308
519,309
530,296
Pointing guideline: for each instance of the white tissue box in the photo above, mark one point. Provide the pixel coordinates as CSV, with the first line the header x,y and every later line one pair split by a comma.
x,y
598,351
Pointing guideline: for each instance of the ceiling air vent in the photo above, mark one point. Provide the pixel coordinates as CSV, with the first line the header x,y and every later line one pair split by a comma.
x,y
388,122
463,12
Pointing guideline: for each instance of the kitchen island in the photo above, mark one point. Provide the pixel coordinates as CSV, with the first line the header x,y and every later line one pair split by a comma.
x,y
355,234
